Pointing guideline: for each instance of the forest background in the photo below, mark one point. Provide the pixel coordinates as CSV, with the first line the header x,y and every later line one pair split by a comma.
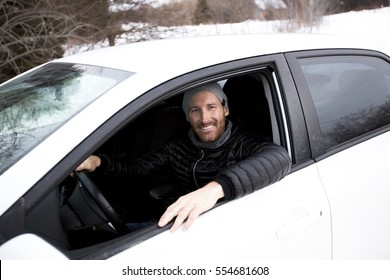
x,y
33,32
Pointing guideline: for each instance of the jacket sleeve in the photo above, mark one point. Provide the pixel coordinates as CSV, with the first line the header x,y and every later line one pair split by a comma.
x,y
144,166
260,166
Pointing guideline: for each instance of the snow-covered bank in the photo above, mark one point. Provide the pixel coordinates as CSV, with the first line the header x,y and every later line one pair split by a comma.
x,y
368,23
373,24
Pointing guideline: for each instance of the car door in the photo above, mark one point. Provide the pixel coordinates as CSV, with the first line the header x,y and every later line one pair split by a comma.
x,y
350,94
287,220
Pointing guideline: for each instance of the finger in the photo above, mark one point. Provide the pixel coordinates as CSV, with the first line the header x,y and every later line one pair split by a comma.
x,y
171,212
181,217
190,220
83,166
164,220
80,167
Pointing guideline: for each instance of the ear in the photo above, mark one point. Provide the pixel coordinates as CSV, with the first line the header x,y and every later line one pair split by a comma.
x,y
226,111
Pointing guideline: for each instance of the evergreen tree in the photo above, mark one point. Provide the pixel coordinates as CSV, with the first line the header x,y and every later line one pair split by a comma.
x,y
202,12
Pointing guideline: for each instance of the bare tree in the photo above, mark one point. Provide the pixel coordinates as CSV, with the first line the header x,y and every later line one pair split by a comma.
x,y
303,13
116,12
174,13
230,11
33,32
349,5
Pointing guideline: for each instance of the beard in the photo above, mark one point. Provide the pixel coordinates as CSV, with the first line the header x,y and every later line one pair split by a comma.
x,y
210,131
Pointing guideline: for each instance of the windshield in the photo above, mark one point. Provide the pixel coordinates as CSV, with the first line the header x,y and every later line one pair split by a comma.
x,y
35,105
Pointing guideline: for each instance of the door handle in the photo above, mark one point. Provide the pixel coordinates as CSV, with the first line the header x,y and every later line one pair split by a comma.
x,y
300,220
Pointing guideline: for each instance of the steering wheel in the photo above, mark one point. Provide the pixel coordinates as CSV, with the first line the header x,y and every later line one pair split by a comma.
x,y
102,202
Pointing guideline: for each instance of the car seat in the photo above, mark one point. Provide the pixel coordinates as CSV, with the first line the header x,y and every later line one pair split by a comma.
x,y
248,105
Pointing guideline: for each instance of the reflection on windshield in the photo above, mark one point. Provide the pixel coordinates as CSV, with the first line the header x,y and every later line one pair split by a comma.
x,y
35,105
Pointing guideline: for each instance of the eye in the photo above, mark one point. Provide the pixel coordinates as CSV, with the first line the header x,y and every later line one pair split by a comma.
x,y
194,110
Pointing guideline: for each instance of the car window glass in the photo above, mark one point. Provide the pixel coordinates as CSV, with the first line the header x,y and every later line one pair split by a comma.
x,y
36,104
351,95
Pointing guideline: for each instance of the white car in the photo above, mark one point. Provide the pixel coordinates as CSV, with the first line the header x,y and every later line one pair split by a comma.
x,y
325,99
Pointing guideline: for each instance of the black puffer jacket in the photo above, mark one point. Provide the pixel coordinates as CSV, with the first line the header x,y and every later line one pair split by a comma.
x,y
242,165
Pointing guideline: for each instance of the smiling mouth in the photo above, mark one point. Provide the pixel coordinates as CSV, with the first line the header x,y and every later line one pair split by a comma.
x,y
207,128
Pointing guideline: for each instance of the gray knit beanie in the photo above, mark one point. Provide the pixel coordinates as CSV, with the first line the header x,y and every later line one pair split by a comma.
x,y
214,88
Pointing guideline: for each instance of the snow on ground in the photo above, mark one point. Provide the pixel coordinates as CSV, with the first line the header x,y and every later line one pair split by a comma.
x,y
373,24
368,23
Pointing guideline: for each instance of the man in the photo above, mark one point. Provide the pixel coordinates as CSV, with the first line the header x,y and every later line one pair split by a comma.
x,y
215,161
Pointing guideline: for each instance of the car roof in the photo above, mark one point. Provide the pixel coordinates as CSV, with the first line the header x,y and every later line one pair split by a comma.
x,y
186,54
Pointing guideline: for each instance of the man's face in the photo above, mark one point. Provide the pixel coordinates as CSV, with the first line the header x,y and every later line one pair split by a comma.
x,y
207,116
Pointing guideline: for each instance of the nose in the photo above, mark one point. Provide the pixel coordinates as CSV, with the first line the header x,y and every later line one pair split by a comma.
x,y
204,116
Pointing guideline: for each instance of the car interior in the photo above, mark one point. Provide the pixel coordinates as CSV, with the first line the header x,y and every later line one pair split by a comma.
x,y
94,208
